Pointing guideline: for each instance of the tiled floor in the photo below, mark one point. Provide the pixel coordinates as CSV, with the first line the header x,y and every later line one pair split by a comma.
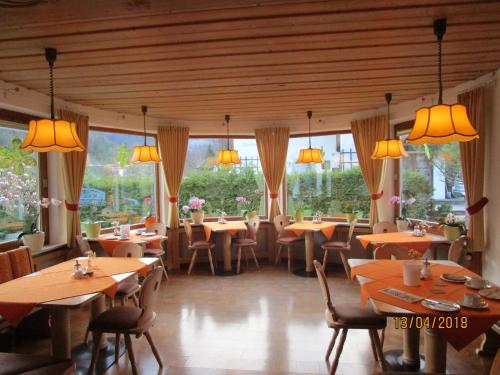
x,y
267,322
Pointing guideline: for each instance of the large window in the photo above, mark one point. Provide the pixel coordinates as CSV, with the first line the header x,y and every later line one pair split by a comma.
x,y
113,188
220,185
19,187
432,174
335,187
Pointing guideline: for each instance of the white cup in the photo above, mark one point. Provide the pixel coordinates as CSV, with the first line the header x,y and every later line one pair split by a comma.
x,y
411,273
472,299
478,283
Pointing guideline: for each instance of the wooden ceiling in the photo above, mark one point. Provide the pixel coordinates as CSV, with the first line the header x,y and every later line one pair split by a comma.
x,y
257,60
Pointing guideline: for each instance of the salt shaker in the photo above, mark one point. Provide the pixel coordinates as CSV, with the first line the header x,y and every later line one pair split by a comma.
x,y
425,272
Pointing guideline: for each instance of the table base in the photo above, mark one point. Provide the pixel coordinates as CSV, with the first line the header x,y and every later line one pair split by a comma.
x,y
82,355
394,361
219,271
303,273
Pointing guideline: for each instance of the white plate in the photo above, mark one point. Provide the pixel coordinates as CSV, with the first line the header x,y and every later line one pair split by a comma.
x,y
441,305
482,305
148,234
491,293
454,278
487,286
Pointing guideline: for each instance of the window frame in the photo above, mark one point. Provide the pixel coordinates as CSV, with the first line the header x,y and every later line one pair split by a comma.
x,y
21,120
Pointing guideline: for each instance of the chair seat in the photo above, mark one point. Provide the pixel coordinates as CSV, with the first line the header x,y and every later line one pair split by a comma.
x,y
14,363
353,315
202,245
334,245
155,252
118,318
289,240
127,288
245,241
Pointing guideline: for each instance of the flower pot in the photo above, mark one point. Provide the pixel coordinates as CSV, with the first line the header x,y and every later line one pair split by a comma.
x,y
350,216
34,241
150,220
197,217
402,225
250,214
451,233
299,215
92,230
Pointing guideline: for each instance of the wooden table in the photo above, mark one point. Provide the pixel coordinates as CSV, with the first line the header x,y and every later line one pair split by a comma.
x,y
228,229
135,237
309,228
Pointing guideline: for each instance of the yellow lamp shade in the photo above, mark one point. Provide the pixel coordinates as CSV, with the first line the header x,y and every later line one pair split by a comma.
x,y
228,157
310,156
442,123
389,149
145,154
52,135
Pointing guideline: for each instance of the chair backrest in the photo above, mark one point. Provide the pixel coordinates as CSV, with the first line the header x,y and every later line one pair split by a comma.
x,y
352,226
128,250
83,244
21,261
324,287
280,222
158,228
149,294
384,227
253,227
456,251
391,250
5,268
189,231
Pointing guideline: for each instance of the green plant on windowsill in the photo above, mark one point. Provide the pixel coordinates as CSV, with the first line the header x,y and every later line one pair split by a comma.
x,y
91,226
452,227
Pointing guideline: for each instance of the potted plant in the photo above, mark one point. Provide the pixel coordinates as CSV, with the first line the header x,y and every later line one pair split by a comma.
x,y
147,205
299,211
248,211
92,227
349,209
452,227
401,220
195,207
31,235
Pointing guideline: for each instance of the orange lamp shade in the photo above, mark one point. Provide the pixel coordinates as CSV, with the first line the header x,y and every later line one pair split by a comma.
x,y
442,123
52,135
310,156
228,157
145,154
389,149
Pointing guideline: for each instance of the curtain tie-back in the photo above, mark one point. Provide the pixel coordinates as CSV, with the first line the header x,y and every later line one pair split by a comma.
x,y
71,206
172,199
377,196
478,206
273,195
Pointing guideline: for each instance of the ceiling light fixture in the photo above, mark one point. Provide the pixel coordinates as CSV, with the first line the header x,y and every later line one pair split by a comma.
x,y
145,153
228,156
310,155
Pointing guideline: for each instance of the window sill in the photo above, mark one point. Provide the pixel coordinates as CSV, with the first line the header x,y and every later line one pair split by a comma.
x,y
48,249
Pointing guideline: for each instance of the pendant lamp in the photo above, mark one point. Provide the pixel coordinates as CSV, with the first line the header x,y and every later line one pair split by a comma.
x,y
310,155
441,123
389,148
50,134
145,153
228,156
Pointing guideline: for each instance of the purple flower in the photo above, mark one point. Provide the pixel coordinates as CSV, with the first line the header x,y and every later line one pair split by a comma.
x,y
196,203
241,200
185,209
411,201
395,200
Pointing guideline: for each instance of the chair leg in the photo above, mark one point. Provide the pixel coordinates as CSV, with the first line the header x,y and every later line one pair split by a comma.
x,y
211,261
289,258
346,265
86,338
164,268
378,347
136,300
122,301
246,255
239,260
193,259
153,348
382,338
255,258
325,258
332,343
372,342
340,347
117,347
130,350
95,352
278,256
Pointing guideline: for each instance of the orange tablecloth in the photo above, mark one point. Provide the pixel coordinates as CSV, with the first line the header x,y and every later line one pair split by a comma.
x,y
18,297
109,245
327,228
231,226
388,273
420,244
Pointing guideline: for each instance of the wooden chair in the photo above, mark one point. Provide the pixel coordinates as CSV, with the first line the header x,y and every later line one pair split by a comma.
x,y
129,320
249,242
21,261
341,247
83,245
285,239
129,287
384,227
157,252
194,246
391,251
347,316
457,249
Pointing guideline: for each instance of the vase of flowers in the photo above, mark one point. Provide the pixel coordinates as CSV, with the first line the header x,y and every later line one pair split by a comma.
x,y
452,227
247,211
402,221
92,227
195,207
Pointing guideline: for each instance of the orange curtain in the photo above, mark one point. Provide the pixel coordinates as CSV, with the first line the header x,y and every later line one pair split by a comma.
x,y
173,142
472,156
272,144
366,133
74,163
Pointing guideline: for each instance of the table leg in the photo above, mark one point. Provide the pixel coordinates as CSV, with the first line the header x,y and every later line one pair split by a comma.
x,y
97,307
435,351
61,334
227,251
309,244
411,341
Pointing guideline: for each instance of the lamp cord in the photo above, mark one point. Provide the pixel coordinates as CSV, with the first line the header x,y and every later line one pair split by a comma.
x,y
227,131
440,39
309,115
388,119
51,75
144,113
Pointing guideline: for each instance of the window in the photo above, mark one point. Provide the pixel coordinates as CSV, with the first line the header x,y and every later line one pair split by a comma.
x,y
334,187
113,188
19,186
432,174
220,185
